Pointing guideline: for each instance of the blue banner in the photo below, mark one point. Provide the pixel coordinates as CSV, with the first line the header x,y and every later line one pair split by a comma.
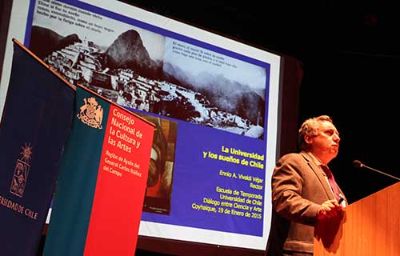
x,y
35,125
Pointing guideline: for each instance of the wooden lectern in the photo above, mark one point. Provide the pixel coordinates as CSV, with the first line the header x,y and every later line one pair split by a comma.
x,y
369,227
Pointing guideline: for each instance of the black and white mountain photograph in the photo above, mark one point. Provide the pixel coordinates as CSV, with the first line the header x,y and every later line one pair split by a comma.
x,y
143,70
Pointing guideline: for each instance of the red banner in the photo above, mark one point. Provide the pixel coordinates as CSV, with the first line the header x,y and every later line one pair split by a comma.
x,y
120,185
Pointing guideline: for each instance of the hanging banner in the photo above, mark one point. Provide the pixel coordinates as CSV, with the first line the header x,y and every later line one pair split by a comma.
x,y
100,190
35,125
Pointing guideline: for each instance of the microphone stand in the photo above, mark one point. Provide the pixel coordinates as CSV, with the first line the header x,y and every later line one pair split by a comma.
x,y
383,173
361,165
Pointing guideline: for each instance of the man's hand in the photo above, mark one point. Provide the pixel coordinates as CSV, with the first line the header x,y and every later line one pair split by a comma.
x,y
329,209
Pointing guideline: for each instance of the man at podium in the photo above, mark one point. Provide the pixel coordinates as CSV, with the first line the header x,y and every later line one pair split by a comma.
x,y
304,190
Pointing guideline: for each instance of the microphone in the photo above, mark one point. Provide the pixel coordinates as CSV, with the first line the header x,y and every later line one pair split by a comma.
x,y
359,164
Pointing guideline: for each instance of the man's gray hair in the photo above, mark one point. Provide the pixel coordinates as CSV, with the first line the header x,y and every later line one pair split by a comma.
x,y
310,128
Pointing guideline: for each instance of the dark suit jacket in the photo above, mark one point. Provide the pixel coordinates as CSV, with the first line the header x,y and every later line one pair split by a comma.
x,y
299,187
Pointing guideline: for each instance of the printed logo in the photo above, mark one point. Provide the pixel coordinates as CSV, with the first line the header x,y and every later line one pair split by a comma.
x,y
91,113
21,171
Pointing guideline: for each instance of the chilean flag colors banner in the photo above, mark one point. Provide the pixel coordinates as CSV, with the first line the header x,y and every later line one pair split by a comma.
x,y
100,190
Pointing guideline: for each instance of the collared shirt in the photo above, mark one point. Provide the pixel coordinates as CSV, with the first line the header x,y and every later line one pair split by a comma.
x,y
330,179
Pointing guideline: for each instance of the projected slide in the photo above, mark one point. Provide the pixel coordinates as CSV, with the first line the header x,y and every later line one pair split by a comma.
x,y
214,102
